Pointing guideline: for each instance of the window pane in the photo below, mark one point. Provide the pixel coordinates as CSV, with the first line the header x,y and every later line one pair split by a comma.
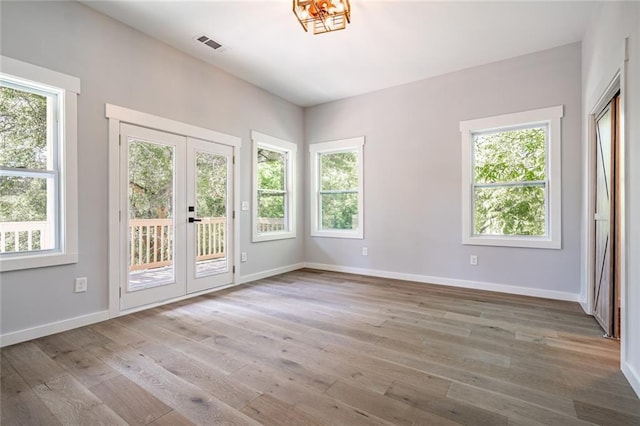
x,y
25,224
271,169
339,171
339,211
510,156
518,210
23,129
271,211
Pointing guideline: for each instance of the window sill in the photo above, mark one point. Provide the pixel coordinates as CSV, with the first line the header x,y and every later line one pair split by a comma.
x,y
356,235
21,262
520,242
273,236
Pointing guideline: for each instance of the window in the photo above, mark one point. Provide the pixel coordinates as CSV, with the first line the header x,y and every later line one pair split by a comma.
x,y
273,195
336,171
38,203
511,179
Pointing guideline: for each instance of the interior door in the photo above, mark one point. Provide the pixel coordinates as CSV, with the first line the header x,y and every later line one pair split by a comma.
x,y
176,227
209,229
152,216
604,219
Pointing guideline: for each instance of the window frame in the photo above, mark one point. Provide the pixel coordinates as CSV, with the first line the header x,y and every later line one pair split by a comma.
x,y
333,147
67,89
550,117
260,140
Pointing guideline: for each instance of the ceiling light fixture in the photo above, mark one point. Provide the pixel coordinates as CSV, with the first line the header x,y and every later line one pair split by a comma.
x,y
322,15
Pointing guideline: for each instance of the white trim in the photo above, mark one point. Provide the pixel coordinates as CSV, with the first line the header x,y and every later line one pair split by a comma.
x,y
155,122
632,376
39,75
67,88
625,216
114,217
270,273
451,282
291,151
352,144
52,328
551,116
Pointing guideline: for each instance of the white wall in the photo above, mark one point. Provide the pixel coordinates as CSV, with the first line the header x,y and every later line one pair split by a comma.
x,y
412,170
603,54
121,66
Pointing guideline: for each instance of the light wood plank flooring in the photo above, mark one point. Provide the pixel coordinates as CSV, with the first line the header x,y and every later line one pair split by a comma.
x,y
322,348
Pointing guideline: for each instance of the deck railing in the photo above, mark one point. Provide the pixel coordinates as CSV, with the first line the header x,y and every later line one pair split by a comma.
x,y
24,236
267,224
150,240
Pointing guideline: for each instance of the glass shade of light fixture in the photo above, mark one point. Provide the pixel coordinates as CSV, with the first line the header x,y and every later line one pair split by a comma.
x,y
322,16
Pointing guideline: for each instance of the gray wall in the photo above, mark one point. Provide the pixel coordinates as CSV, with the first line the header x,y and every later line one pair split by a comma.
x,y
119,65
602,57
412,168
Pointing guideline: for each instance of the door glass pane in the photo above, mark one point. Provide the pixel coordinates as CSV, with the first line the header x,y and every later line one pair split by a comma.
x,y
211,208
151,214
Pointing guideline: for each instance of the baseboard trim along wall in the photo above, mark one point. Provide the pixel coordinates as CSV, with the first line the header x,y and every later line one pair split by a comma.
x,y
271,272
478,285
632,376
52,328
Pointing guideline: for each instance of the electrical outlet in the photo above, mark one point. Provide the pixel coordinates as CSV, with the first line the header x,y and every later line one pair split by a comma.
x,y
243,256
81,285
245,205
473,260
365,251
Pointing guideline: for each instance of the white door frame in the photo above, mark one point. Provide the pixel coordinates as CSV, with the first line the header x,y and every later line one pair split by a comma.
x,y
117,115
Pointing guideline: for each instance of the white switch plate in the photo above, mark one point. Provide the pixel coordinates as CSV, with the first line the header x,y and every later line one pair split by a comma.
x,y
473,260
81,285
365,251
243,256
245,205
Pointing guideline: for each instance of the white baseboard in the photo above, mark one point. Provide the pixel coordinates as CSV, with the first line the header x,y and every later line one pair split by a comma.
x,y
632,376
271,272
477,285
52,328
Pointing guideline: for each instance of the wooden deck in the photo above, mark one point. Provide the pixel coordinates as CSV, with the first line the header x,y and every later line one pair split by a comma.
x,y
139,280
311,347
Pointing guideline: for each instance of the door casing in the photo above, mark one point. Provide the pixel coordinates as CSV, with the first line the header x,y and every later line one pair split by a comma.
x,y
117,115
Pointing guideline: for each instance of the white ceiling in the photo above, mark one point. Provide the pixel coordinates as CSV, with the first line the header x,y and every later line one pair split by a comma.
x,y
388,42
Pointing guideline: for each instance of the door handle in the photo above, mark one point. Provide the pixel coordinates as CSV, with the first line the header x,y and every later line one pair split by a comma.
x,y
193,219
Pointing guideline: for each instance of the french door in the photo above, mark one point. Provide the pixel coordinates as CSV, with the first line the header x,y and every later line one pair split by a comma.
x,y
175,200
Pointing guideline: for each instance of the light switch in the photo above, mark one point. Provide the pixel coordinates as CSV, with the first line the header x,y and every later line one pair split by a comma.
x,y
245,205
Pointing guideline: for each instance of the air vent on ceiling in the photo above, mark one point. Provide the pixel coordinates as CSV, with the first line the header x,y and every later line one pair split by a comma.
x,y
208,42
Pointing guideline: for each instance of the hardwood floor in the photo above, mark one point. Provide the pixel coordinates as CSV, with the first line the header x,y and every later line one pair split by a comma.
x,y
311,348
